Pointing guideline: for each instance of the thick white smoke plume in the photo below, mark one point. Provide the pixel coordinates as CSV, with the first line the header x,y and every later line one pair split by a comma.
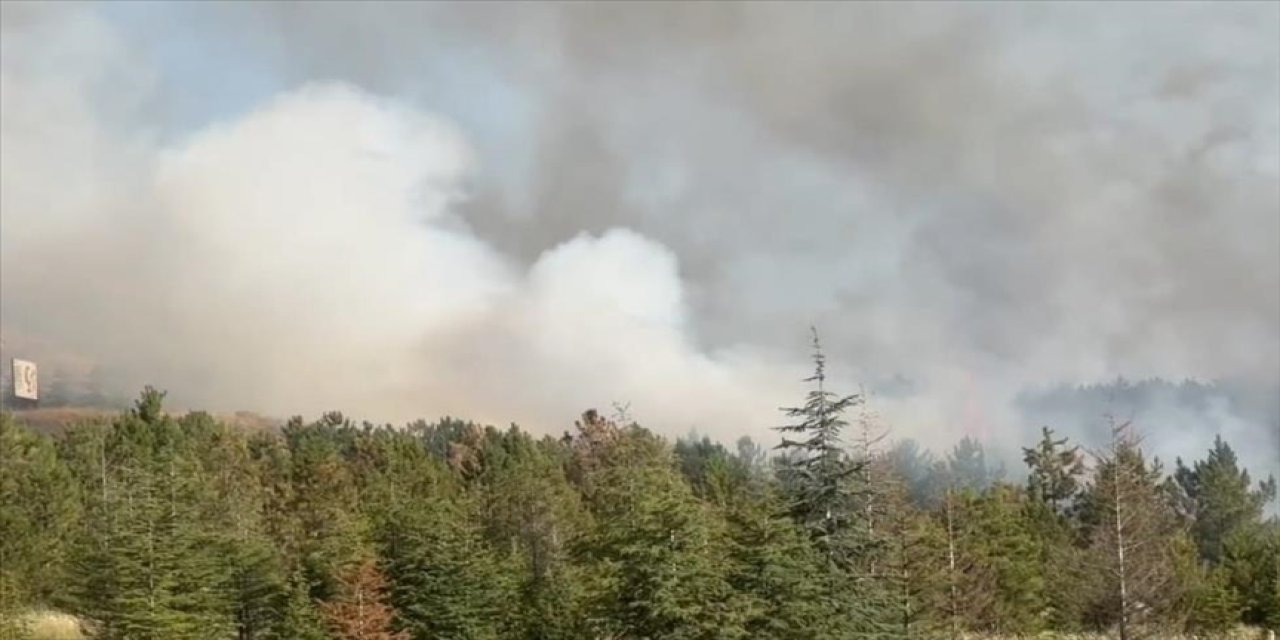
x,y
514,212
307,256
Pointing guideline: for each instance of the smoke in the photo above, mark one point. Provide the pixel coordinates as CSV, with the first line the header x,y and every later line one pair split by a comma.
x,y
306,256
1176,418
515,211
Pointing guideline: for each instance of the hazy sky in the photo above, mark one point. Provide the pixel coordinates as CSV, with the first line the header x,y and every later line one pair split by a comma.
x,y
516,211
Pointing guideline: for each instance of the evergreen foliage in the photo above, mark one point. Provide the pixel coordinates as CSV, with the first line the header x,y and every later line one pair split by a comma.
x,y
814,468
150,526
1218,498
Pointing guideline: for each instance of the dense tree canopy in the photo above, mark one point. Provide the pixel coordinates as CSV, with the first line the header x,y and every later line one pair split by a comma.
x,y
149,525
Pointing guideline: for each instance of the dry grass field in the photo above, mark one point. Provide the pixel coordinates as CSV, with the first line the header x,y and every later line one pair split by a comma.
x,y
56,420
51,625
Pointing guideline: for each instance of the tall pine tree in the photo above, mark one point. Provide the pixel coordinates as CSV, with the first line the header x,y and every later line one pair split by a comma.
x,y
815,470
1131,529
826,489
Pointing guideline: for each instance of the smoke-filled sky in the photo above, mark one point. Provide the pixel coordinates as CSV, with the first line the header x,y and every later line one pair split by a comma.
x,y
513,212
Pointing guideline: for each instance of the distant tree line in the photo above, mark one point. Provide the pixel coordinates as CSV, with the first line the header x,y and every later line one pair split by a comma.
x,y
151,527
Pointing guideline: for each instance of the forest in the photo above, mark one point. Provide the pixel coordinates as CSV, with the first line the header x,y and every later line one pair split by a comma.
x,y
151,526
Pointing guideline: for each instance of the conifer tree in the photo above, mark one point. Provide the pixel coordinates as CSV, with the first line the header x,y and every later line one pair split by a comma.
x,y
148,526
38,512
327,527
300,619
1054,479
875,481
360,610
155,572
1131,531
993,582
924,478
1251,564
656,558
912,559
444,581
824,487
1219,498
967,586
696,457
257,587
529,514
772,562
1054,471
1006,545
1208,603
967,466
814,468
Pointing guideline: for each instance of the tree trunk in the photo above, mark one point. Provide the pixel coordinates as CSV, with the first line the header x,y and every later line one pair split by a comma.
x,y
1120,568
951,568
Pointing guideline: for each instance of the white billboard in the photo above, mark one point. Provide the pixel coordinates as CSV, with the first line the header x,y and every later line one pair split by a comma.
x,y
24,380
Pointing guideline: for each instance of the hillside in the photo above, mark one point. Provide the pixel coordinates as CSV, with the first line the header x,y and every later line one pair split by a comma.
x,y
54,421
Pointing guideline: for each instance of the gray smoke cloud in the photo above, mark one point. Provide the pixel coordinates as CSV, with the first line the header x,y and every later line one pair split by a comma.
x,y
513,211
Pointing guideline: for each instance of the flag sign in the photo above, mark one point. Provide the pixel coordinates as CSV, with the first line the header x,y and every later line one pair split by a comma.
x,y
24,380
